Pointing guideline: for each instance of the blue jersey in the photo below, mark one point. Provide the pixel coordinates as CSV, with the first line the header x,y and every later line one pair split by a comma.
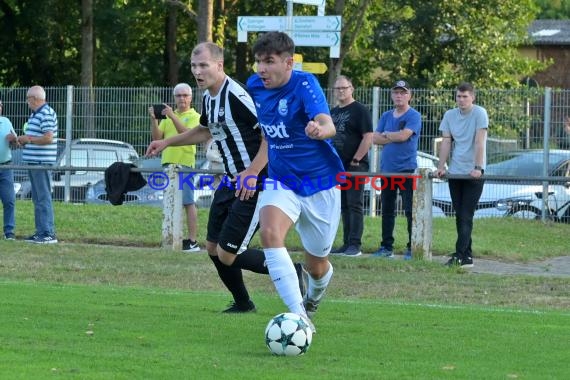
x,y
400,157
304,165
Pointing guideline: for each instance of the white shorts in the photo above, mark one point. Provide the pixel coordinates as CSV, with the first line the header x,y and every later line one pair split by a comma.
x,y
316,217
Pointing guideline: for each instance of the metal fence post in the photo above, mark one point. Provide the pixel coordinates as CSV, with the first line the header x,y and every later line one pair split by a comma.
x,y
374,148
172,211
68,134
422,216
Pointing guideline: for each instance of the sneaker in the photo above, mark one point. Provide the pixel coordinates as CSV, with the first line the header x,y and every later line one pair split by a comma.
x,y
47,239
463,263
384,252
408,254
311,306
9,236
190,246
235,308
340,250
308,321
352,251
31,238
302,278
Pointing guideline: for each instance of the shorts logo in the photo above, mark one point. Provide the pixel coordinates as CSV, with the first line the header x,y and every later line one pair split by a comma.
x,y
282,109
232,245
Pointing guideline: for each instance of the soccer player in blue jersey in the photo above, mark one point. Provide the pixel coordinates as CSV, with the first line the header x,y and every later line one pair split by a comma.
x,y
301,186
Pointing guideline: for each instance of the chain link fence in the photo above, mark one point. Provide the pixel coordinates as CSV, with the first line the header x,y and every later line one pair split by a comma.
x,y
525,118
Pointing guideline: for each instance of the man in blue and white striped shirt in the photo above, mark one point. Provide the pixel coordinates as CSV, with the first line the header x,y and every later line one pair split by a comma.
x,y
40,148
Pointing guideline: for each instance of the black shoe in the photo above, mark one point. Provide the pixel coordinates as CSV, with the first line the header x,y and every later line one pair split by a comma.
x,y
352,251
463,263
339,250
190,246
235,308
9,236
301,277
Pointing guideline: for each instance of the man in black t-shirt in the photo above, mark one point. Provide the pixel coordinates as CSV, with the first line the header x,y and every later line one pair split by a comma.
x,y
352,141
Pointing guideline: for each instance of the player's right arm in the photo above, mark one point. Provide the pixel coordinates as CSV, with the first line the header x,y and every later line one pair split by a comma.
x,y
190,137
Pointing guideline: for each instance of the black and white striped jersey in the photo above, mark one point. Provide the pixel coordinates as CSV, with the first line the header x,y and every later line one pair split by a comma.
x,y
232,121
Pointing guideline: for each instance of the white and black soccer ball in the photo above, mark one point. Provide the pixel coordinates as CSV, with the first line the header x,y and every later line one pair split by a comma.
x,y
288,334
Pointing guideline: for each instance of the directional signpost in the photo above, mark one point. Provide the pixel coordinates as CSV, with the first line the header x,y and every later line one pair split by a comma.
x,y
307,30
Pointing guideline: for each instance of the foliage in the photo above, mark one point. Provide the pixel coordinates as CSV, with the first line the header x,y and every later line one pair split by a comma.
x,y
443,42
434,43
553,9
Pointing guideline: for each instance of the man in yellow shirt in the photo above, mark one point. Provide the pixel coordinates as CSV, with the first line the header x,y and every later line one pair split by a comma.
x,y
176,122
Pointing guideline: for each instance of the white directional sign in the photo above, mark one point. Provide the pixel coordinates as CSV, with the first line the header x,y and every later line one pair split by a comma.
x,y
279,23
326,39
305,30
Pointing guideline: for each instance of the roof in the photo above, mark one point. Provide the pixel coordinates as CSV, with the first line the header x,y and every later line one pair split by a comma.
x,y
550,32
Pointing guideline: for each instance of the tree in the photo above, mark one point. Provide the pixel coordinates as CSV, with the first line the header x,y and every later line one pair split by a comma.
x,y
442,42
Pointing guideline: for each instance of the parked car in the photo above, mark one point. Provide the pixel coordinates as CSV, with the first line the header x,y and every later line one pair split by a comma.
x,y
148,195
521,199
88,153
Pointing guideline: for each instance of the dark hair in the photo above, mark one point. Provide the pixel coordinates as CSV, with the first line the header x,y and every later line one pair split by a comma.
x,y
466,87
274,43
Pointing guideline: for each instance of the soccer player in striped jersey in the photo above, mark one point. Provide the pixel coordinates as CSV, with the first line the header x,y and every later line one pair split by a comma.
x,y
229,117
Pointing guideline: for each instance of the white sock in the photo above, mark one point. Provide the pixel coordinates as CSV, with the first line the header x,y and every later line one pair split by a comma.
x,y
317,288
282,272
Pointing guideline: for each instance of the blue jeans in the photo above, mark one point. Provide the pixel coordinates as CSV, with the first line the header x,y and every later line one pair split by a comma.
x,y
8,199
389,196
41,196
465,194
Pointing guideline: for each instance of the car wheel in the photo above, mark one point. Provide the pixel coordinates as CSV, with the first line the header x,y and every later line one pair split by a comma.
x,y
525,212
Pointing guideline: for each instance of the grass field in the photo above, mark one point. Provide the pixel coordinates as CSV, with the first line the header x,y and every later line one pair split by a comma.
x,y
87,309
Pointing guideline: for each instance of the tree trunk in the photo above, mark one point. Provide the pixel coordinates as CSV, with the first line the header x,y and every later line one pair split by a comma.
x,y
205,20
171,63
87,49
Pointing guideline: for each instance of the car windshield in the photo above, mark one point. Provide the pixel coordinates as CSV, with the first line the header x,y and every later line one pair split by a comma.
x,y
524,164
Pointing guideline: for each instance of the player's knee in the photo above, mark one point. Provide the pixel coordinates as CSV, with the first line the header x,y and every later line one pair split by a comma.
x,y
226,257
270,236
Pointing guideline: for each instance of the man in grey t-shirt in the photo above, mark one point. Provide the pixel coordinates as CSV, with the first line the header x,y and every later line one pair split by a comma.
x,y
465,127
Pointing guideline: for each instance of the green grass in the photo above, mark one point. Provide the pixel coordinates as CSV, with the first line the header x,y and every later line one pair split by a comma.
x,y
502,238
107,332
108,303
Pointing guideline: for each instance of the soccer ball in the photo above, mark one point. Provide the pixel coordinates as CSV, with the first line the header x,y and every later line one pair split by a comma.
x,y
288,334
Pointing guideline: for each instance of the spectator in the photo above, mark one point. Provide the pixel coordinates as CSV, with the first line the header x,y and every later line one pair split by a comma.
x,y
297,125
229,117
40,149
398,132
8,138
465,126
184,117
352,142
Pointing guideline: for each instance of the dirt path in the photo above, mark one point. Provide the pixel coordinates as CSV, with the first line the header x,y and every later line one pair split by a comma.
x,y
558,266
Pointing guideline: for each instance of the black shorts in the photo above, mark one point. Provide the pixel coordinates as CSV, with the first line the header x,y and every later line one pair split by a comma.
x,y
231,222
